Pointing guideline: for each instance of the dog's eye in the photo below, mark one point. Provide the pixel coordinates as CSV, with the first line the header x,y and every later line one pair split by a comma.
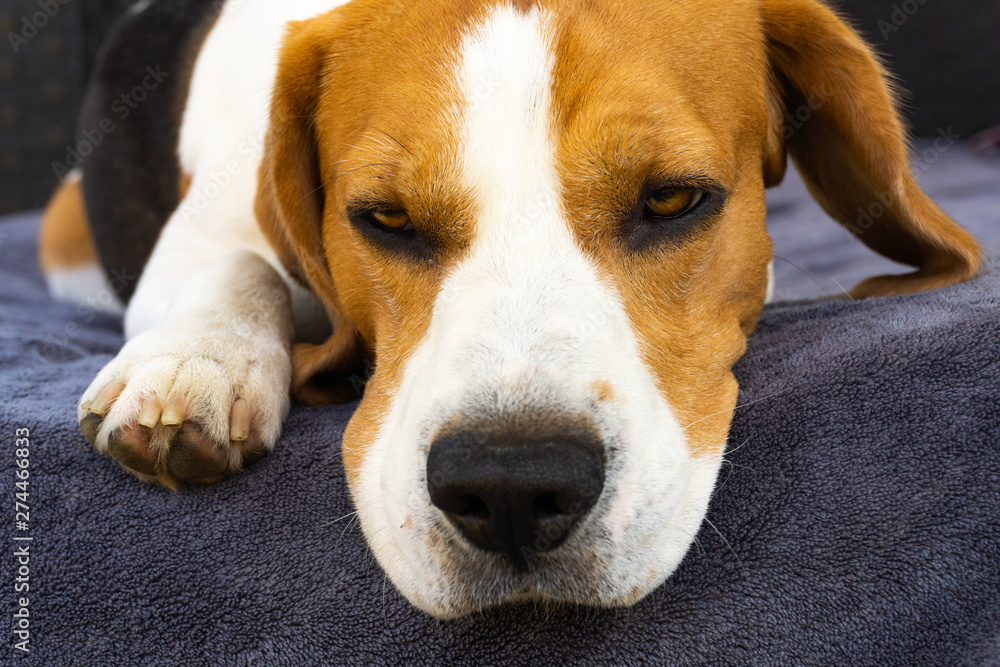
x,y
391,230
392,221
672,214
672,202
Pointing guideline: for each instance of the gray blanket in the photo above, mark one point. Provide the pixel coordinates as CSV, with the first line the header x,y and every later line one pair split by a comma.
x,y
857,521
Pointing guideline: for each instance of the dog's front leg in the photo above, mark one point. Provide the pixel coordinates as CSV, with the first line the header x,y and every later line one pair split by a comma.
x,y
202,384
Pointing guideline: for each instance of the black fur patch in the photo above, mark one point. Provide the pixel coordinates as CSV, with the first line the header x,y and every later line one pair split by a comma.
x,y
131,121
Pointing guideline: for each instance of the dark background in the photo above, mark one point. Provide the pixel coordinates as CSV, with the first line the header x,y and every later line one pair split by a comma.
x,y
946,54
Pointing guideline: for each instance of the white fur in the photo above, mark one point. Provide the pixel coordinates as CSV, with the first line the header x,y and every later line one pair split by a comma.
x,y
769,298
524,322
87,286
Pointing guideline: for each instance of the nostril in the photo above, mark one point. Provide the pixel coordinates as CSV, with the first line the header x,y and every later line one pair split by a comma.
x,y
471,507
553,515
546,507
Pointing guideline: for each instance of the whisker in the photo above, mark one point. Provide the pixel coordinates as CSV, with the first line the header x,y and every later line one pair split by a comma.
x,y
355,520
733,451
374,558
385,612
719,488
989,569
400,143
743,405
842,288
701,547
739,561
814,279
365,166
330,523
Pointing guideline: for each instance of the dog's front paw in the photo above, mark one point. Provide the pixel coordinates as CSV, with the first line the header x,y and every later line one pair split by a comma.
x,y
188,408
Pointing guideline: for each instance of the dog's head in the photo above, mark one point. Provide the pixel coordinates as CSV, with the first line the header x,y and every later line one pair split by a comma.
x,y
545,223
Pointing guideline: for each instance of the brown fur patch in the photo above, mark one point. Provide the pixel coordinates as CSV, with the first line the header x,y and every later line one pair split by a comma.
x,y
603,391
64,239
184,185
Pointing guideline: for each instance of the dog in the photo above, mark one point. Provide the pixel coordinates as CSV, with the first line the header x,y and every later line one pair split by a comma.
x,y
536,229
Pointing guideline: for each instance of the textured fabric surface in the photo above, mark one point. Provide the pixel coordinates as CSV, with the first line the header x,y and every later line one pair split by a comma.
x,y
857,519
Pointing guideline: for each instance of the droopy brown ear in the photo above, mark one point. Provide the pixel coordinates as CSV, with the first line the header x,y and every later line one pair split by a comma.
x,y
845,137
290,202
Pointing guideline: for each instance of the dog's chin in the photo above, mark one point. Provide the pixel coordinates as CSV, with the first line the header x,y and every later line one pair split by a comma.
x,y
604,563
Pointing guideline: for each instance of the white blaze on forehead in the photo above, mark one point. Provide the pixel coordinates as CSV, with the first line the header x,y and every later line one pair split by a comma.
x,y
508,157
525,285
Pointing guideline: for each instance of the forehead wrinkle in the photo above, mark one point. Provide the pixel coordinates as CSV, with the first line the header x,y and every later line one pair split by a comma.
x,y
672,146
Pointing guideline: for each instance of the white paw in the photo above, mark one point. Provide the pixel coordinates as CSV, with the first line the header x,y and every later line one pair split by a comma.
x,y
186,402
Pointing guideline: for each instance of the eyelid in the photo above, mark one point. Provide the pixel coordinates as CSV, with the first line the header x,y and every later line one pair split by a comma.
x,y
361,208
692,197
690,182
366,205
387,218
711,189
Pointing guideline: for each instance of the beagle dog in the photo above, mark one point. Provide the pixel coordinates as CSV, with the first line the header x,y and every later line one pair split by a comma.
x,y
533,230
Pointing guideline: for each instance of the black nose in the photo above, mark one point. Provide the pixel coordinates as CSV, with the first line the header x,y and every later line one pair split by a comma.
x,y
518,498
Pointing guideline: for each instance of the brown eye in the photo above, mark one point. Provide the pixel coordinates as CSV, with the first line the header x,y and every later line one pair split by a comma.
x,y
672,202
395,221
